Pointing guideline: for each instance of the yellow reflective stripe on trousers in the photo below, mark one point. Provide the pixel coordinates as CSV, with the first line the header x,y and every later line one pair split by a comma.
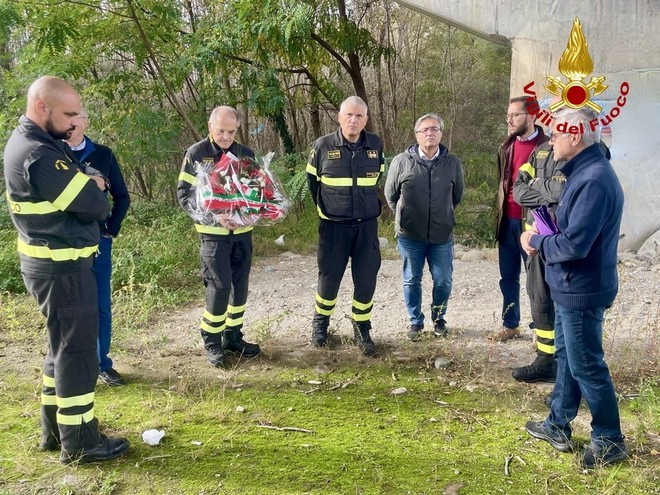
x,y
75,419
48,400
324,312
360,317
234,322
326,302
214,318
359,305
208,229
189,178
235,309
208,328
76,400
62,254
548,349
545,334
71,191
28,208
48,381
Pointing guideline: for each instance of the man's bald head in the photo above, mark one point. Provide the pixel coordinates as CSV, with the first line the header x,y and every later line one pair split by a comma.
x,y
223,124
53,105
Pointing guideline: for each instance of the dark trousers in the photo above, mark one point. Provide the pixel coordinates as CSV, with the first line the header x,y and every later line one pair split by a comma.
x,y
226,263
103,272
66,295
339,241
543,309
510,254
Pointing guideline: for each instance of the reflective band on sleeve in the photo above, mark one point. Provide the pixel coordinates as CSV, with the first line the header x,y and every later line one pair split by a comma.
x,y
75,419
71,191
311,169
62,254
48,400
208,229
48,381
76,400
27,208
186,177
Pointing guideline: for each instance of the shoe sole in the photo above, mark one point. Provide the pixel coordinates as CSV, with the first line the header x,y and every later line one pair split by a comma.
x,y
561,447
602,463
534,380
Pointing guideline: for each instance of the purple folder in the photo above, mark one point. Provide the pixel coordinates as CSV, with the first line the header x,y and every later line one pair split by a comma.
x,y
545,221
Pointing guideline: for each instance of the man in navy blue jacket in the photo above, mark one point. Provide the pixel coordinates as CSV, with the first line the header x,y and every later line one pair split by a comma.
x,y
102,159
581,272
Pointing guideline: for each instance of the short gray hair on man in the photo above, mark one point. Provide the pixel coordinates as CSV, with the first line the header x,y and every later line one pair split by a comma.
x,y
224,110
433,116
577,116
355,100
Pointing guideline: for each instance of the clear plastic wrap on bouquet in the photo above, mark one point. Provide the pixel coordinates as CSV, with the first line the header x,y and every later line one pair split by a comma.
x,y
238,192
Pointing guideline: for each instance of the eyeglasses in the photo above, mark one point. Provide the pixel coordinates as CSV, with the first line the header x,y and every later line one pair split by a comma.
x,y
432,130
511,116
554,135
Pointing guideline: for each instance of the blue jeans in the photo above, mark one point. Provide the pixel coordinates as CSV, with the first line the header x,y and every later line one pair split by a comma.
x,y
103,270
582,373
439,257
510,253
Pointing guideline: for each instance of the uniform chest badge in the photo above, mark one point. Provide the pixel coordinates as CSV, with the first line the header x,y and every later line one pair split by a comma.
x,y
334,154
372,154
542,154
371,175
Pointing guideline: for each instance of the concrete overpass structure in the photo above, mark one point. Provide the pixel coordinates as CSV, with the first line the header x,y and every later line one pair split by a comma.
x,y
624,44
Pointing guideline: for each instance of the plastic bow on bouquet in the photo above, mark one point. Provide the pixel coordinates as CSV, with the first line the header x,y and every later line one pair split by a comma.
x,y
239,192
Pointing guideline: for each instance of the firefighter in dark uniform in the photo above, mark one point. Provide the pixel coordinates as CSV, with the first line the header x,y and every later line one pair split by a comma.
x,y
56,209
538,183
226,254
343,172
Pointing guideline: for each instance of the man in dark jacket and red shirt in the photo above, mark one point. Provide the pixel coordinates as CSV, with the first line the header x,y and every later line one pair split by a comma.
x,y
423,187
580,269
103,159
524,136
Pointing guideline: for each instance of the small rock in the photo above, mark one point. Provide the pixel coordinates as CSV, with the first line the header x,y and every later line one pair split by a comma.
x,y
453,383
399,391
471,388
433,420
473,255
383,243
269,269
441,362
240,409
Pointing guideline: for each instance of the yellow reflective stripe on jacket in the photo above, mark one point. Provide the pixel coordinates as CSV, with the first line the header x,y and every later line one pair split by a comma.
x,y
337,182
62,254
189,178
208,229
76,400
71,191
48,381
527,167
311,169
28,208
75,419
367,181
318,208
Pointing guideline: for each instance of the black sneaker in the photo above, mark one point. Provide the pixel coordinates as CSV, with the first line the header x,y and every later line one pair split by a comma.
x,y
558,440
215,355
111,377
543,369
440,328
602,455
415,332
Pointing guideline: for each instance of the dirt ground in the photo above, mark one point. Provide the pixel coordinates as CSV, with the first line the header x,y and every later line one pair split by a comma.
x,y
281,300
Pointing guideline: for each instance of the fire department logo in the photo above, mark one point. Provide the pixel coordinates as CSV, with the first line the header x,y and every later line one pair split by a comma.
x,y
576,64
61,165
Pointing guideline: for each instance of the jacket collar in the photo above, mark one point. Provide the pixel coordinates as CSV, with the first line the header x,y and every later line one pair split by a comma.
x,y
583,159
339,140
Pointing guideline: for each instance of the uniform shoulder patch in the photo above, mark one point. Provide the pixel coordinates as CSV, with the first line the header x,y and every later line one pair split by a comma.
x,y
61,165
542,153
372,154
334,154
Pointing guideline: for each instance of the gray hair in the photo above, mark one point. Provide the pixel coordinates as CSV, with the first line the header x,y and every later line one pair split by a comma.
x,y
577,116
222,110
427,116
355,100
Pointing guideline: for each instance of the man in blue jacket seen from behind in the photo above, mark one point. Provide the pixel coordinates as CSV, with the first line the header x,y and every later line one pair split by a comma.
x,y
580,268
103,159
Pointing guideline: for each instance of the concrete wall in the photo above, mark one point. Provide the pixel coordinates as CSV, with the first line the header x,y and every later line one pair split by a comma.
x,y
624,43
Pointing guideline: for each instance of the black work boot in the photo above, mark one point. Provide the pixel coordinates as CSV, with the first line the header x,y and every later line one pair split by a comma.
x,y
320,325
543,369
215,355
232,341
84,443
362,338
50,433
